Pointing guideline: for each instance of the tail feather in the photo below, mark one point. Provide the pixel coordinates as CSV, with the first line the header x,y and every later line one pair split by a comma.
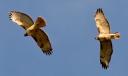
x,y
40,22
117,35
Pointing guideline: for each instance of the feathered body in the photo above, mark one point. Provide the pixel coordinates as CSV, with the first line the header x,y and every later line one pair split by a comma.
x,y
33,29
104,37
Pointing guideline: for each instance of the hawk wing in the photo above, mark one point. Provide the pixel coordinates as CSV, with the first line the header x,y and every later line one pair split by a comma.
x,y
21,19
40,36
101,22
106,51
43,41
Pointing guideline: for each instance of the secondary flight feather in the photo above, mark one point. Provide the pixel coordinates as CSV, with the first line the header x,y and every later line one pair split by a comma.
x,y
33,29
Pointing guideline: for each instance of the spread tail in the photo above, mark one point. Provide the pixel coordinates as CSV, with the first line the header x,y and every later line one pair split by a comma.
x,y
117,35
40,22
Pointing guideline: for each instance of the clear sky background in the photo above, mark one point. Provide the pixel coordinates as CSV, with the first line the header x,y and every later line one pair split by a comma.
x,y
71,29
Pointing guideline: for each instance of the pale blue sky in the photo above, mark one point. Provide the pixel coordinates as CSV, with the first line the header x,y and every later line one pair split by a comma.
x,y
71,29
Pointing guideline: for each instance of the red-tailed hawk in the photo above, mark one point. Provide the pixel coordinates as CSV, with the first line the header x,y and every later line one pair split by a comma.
x,y
104,38
33,29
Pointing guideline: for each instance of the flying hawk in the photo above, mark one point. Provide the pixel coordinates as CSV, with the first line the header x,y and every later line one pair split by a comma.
x,y
33,29
104,38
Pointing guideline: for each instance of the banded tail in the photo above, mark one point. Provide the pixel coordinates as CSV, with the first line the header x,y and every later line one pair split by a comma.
x,y
116,36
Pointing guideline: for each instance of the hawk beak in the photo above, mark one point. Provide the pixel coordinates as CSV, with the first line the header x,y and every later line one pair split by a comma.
x,y
25,34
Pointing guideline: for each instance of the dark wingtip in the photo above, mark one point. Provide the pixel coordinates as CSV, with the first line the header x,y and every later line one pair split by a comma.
x,y
99,10
48,52
104,65
10,15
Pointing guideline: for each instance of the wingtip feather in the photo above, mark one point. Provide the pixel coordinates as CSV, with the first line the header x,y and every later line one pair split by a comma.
x,y
104,65
48,52
99,10
11,14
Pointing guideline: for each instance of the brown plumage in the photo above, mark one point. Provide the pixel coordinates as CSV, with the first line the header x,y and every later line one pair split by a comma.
x,y
33,29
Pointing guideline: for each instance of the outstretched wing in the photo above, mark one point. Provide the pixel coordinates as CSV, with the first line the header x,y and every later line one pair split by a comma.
x,y
21,19
43,41
106,51
101,22
39,36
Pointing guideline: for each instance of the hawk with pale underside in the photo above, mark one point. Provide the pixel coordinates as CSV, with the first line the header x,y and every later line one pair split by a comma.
x,y
104,38
33,29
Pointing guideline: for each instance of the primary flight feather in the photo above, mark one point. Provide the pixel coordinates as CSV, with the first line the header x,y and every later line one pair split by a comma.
x,y
33,29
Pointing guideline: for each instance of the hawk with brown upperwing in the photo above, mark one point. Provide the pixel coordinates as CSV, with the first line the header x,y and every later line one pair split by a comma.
x,y
33,29
104,38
